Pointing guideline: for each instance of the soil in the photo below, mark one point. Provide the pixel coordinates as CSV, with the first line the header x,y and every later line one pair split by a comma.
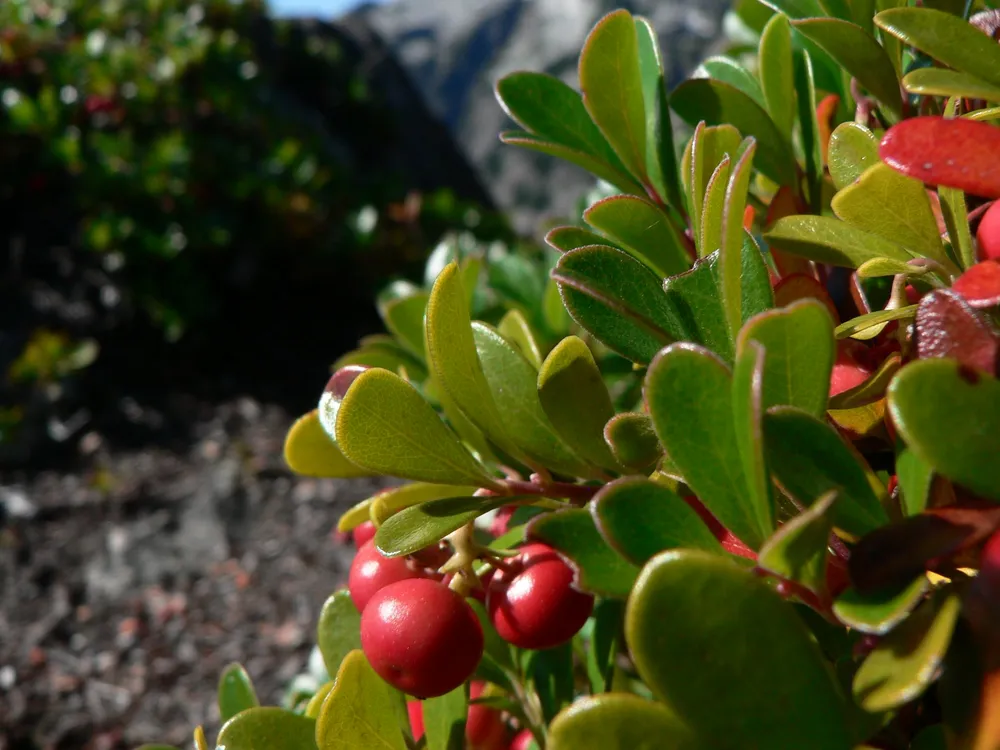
x,y
131,576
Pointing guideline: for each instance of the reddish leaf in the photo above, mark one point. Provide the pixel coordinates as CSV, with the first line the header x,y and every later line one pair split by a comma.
x,y
958,153
980,285
800,286
948,327
825,112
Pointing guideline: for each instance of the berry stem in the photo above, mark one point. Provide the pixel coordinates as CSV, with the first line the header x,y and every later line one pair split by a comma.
x,y
575,493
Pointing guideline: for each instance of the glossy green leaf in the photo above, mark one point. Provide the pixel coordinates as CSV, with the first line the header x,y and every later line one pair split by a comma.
x,y
599,569
633,441
571,392
733,239
860,55
796,8
515,328
419,526
612,88
798,346
797,551
385,352
716,103
853,149
689,661
878,612
444,720
404,317
809,126
776,73
828,240
604,644
710,237
907,660
894,207
947,38
359,714
688,391
268,728
729,71
643,230
640,518
236,692
854,327
311,452
944,82
809,459
550,678
388,502
880,267
571,238
495,647
956,219
548,108
597,167
338,631
617,299
620,721
386,426
915,477
706,149
513,385
747,413
935,397
872,389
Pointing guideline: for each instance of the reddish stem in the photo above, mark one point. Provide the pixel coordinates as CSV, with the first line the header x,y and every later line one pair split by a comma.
x,y
577,493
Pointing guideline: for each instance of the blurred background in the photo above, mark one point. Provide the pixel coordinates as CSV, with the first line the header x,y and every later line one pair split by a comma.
x,y
199,200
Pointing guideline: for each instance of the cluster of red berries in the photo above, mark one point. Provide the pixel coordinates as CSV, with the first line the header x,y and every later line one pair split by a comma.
x,y
423,638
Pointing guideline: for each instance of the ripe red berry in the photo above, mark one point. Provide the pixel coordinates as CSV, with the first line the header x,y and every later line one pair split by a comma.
x,y
484,726
500,522
421,637
988,234
361,534
523,740
533,604
416,713
371,571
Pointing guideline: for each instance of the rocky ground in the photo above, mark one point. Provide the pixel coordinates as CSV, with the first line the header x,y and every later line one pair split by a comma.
x,y
129,579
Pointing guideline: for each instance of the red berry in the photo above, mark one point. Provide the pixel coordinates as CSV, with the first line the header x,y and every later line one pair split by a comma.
x,y
371,571
533,604
421,637
363,533
848,372
523,740
500,522
484,726
416,713
988,234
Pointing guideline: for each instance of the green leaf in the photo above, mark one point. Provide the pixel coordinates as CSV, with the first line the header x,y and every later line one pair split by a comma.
x,y
268,728
915,477
872,389
851,328
640,518
860,55
404,317
612,88
419,526
948,39
571,238
548,108
853,149
550,678
620,721
385,352
689,661
828,240
444,720
881,267
796,8
812,147
706,149
716,103
311,452
944,82
451,352
956,219
878,612
633,441
643,230
798,359
338,631
617,299
798,550
809,459
386,426
710,238
599,569
935,397
390,501
358,714
776,73
688,391
598,168
907,660
733,239
236,692
747,413
514,327
572,394
513,385
605,643
894,207
729,71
